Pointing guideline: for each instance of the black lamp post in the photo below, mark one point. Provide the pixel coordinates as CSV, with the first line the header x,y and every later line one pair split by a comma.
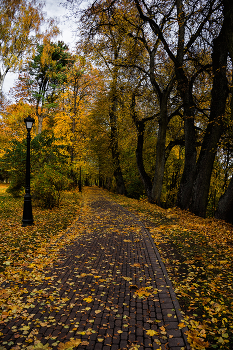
x,y
27,210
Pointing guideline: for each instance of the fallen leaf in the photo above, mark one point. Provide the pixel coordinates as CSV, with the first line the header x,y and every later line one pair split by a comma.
x,y
88,299
151,332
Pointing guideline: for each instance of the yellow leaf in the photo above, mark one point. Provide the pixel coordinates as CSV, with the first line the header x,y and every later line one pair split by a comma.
x,y
181,325
85,343
70,344
39,346
127,278
151,332
88,299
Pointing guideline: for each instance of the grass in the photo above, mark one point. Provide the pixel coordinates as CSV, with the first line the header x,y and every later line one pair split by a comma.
x,y
19,245
198,255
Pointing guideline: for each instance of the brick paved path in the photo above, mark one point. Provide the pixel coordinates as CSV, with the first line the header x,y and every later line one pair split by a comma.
x,y
108,291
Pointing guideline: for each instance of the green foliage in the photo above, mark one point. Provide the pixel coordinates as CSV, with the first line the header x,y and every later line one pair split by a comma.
x,y
47,72
135,188
49,169
47,186
13,163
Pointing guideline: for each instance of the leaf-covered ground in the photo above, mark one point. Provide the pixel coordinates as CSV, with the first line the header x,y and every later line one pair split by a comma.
x,y
198,255
101,291
24,253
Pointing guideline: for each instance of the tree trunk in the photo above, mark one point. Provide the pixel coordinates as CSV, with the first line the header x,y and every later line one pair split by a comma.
x,y
215,127
225,205
120,185
228,16
139,156
184,86
40,123
188,176
1,84
2,79
160,156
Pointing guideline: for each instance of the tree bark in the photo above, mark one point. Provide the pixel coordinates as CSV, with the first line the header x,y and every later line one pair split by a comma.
x,y
225,205
120,185
215,126
140,164
163,96
188,176
2,79
160,155
40,122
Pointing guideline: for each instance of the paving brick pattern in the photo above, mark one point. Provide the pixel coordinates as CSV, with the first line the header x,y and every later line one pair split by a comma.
x,y
109,290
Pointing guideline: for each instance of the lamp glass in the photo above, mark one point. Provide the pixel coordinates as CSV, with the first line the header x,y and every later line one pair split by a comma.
x,y
29,125
29,122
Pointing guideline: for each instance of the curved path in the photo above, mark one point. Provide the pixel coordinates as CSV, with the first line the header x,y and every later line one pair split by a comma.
x,y
108,291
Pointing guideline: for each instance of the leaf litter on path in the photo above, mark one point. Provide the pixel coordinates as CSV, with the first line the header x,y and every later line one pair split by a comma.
x,y
72,290
198,255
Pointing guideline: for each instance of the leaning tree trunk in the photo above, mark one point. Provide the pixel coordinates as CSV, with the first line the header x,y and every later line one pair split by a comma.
x,y
188,176
184,86
140,164
225,205
215,127
160,156
140,126
120,185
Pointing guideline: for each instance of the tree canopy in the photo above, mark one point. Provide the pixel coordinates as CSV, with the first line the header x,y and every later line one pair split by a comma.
x,y
20,24
144,105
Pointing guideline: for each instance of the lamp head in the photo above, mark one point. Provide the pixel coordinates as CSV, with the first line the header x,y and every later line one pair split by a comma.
x,y
29,122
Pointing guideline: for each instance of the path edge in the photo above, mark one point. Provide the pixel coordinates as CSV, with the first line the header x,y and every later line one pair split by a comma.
x,y
165,273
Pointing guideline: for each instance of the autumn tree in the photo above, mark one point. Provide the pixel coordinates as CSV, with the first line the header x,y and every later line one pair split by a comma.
x,y
195,182
193,39
225,206
106,43
131,29
160,75
71,116
12,122
44,77
20,23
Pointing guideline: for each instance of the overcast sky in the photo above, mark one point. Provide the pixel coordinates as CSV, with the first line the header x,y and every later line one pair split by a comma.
x,y
51,9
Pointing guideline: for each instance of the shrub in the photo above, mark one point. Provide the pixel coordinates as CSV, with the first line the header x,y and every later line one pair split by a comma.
x,y
44,150
47,186
13,164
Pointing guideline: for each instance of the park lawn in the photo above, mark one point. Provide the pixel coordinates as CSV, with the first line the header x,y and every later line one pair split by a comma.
x,y
198,255
26,251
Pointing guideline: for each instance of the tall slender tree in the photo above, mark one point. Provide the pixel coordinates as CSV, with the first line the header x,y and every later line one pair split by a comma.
x,y
44,77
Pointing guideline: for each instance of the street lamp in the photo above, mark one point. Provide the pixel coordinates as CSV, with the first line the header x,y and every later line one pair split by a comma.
x,y
27,210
